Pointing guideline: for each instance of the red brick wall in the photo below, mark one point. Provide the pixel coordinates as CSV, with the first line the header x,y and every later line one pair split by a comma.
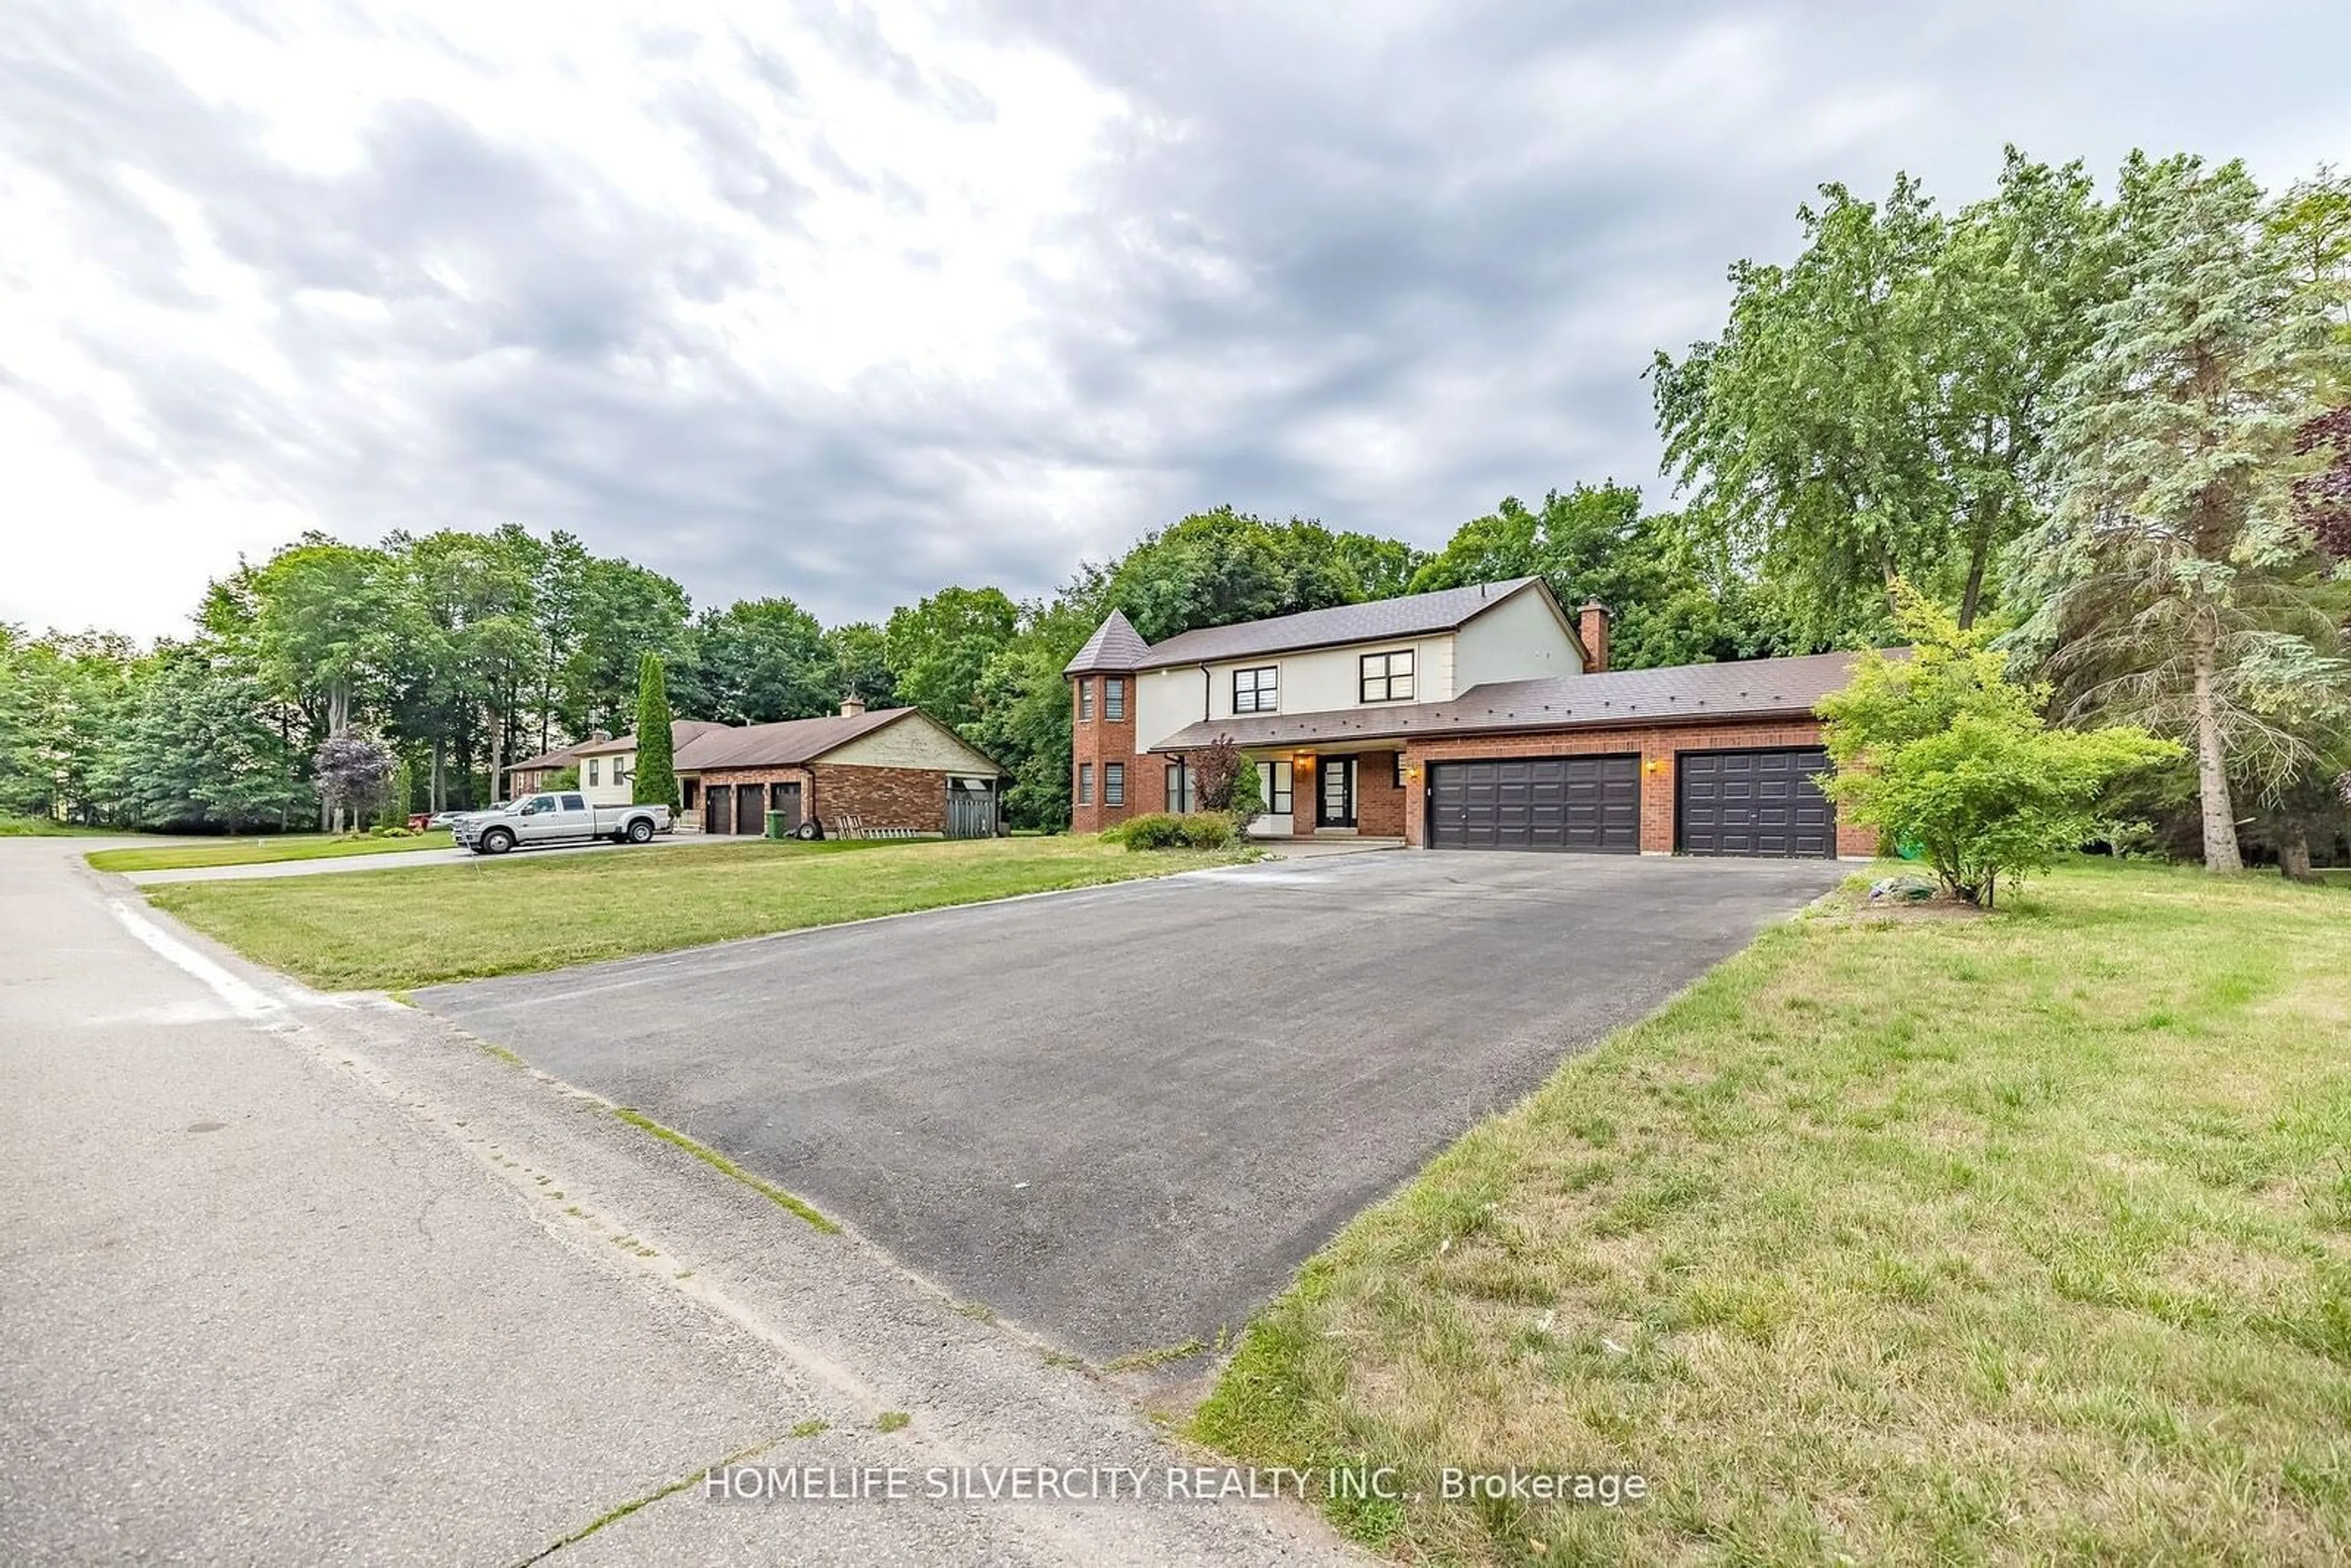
x,y
1656,747
912,797
1099,740
1379,804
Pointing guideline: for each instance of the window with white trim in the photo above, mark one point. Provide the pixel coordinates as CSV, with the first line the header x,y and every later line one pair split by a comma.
x,y
591,770
1387,677
1258,690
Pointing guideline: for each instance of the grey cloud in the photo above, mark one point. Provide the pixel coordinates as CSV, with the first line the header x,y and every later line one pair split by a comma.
x,y
1334,224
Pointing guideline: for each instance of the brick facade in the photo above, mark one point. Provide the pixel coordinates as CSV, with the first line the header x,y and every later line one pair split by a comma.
x,y
1656,747
914,798
1099,740
1380,806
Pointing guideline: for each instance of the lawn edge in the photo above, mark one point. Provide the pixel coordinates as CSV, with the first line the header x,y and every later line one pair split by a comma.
x,y
411,984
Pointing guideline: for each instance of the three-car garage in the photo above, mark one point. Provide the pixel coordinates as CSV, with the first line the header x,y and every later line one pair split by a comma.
x,y
1757,803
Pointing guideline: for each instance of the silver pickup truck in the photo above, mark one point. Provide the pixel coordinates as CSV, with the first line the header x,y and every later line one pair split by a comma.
x,y
563,818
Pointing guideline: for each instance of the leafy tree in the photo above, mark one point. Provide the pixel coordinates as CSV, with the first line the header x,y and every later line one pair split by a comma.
x,y
759,661
1594,542
1216,767
939,648
326,623
861,664
353,773
655,780
627,613
1941,751
198,749
2175,575
399,796
1024,711
1217,567
1878,407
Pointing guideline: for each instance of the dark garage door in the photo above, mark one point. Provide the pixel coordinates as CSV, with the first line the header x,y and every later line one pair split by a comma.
x,y
1760,803
717,808
1537,803
751,808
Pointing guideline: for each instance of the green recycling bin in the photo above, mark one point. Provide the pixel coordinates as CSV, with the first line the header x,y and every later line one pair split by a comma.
x,y
777,827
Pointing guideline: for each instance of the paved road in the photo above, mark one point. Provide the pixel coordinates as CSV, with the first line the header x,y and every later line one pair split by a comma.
x,y
387,859
288,1280
1124,1116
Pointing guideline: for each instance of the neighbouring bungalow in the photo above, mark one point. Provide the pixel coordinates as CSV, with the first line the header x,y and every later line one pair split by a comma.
x,y
1476,717
887,772
530,776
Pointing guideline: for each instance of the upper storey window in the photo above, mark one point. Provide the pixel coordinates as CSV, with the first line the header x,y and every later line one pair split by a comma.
x,y
1387,677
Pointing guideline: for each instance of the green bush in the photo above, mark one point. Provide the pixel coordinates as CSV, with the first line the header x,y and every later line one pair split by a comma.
x,y
1942,751
1166,831
1207,830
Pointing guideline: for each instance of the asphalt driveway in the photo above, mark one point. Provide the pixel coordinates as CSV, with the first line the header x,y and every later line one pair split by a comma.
x,y
1124,1116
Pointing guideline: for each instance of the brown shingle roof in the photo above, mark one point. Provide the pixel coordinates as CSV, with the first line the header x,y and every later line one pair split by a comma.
x,y
545,760
1747,688
680,731
1413,615
1115,646
780,744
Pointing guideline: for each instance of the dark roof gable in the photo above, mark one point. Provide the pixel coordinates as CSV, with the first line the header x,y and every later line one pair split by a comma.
x,y
1115,646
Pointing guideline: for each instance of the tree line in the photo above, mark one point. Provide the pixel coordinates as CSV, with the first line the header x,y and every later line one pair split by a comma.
x,y
2109,430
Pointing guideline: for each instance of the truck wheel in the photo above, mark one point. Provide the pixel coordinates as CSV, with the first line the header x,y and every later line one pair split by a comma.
x,y
640,832
497,841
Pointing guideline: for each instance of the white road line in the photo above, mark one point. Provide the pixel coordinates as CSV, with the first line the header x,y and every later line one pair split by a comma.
x,y
245,1000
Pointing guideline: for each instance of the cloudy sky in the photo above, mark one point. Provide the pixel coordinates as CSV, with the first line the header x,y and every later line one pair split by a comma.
x,y
850,302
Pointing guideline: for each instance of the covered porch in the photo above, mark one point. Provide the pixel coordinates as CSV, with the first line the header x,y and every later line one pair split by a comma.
x,y
1326,791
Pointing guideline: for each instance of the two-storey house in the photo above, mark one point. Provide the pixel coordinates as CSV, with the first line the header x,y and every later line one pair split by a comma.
x,y
1476,717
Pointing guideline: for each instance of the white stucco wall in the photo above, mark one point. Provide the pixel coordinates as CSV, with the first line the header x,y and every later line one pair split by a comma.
x,y
1164,702
1517,639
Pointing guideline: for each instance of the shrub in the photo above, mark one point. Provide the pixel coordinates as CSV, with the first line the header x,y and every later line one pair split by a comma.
x,y
1166,831
1156,831
1942,751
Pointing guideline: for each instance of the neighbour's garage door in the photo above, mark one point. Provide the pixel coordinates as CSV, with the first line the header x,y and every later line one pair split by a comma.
x,y
1537,803
751,808
717,808
1761,803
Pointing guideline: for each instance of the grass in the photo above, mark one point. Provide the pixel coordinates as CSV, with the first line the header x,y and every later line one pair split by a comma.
x,y
46,828
728,1167
261,851
402,929
2016,1240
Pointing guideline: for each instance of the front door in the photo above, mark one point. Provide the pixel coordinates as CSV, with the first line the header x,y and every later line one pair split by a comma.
x,y
1334,793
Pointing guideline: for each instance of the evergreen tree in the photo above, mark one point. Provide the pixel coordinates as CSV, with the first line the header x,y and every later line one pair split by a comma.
x,y
2176,570
655,781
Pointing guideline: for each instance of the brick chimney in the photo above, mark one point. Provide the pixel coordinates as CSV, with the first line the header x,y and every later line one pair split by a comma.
x,y
1592,627
853,707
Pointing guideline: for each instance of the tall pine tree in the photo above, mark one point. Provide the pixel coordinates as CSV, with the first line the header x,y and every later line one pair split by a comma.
x,y
655,781
2174,565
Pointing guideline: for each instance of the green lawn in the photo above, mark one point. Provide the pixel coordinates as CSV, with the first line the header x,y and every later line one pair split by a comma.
x,y
45,827
261,851
2013,1239
412,926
